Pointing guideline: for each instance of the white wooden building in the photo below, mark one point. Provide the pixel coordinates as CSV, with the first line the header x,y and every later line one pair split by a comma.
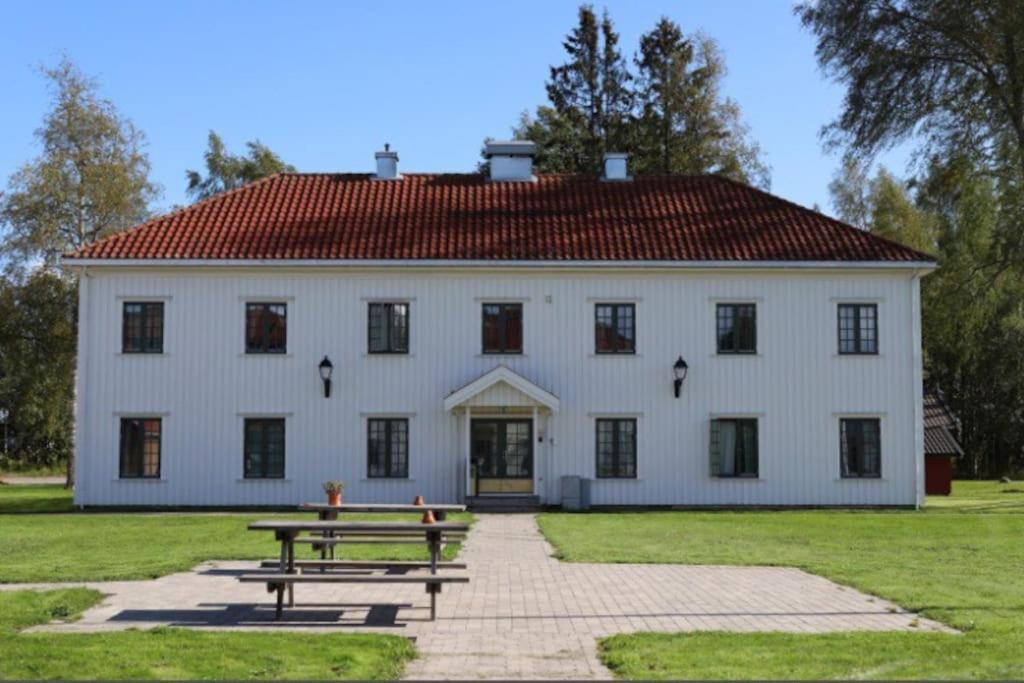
x,y
491,335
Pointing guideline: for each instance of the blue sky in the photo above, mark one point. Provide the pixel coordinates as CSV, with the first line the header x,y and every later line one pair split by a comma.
x,y
326,84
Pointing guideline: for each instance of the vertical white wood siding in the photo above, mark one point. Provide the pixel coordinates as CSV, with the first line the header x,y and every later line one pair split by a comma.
x,y
203,385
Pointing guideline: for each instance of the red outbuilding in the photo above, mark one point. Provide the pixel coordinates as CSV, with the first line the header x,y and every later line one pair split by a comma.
x,y
940,445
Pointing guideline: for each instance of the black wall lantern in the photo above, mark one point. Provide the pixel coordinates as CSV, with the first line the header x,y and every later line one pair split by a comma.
x,y
679,371
326,368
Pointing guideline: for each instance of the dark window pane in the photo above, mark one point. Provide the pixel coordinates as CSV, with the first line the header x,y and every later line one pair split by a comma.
x,y
492,328
389,328
736,326
513,328
142,327
264,448
266,328
502,328
858,328
140,448
616,448
387,448
615,328
734,444
860,447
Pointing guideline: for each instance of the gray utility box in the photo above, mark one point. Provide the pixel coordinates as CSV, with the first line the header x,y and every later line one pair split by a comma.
x,y
575,493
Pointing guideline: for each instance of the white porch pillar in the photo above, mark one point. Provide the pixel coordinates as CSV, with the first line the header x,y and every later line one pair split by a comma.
x,y
467,442
534,449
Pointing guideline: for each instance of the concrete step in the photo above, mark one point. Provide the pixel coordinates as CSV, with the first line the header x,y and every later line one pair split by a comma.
x,y
503,503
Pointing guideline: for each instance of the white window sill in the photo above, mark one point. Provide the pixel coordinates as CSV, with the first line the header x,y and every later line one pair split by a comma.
x,y
264,355
861,479
259,480
388,355
391,480
139,480
162,354
858,355
617,479
502,355
730,479
615,355
737,355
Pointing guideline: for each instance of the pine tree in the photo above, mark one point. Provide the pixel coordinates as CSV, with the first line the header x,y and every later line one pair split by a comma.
x,y
670,117
684,125
591,100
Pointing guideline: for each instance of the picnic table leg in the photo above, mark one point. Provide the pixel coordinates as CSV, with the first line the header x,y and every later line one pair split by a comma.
x,y
434,544
332,515
291,569
282,568
322,516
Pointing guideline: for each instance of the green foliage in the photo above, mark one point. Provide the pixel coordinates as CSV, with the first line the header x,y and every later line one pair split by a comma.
x,y
669,115
226,171
37,368
973,321
948,69
883,205
590,91
157,654
947,75
953,562
90,180
684,126
972,310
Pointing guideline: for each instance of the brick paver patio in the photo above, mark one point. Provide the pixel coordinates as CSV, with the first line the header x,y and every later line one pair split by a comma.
x,y
524,614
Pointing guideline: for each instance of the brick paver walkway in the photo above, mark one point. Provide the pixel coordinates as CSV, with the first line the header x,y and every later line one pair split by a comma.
x,y
524,614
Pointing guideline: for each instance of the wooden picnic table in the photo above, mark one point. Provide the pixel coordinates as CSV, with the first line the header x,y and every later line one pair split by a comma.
x,y
286,531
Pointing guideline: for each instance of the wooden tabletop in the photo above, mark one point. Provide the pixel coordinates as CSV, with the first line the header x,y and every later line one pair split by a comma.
x,y
382,507
340,526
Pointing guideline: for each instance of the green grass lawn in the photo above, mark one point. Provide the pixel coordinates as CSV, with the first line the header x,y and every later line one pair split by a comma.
x,y
179,654
53,543
960,561
42,538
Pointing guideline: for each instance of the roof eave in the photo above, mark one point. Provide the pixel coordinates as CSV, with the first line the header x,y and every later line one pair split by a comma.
x,y
921,267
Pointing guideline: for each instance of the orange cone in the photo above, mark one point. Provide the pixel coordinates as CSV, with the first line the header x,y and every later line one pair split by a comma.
x,y
418,501
428,517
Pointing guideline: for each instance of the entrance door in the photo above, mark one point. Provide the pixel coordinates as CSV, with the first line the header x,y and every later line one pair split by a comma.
x,y
502,456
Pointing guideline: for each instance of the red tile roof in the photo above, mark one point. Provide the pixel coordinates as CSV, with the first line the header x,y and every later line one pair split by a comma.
x,y
466,217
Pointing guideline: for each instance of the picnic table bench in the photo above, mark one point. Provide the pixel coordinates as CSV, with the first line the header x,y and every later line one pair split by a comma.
x,y
287,574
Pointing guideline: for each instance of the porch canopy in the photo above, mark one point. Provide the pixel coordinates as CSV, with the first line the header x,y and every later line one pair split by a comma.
x,y
501,414
501,387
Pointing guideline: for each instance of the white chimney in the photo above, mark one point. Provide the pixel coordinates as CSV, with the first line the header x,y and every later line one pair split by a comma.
x,y
387,164
511,160
615,166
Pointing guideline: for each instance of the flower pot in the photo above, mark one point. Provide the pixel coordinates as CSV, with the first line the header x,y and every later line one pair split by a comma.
x,y
419,501
334,499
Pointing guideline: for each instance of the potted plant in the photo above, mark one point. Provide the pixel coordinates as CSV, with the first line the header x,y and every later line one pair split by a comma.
x,y
333,489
